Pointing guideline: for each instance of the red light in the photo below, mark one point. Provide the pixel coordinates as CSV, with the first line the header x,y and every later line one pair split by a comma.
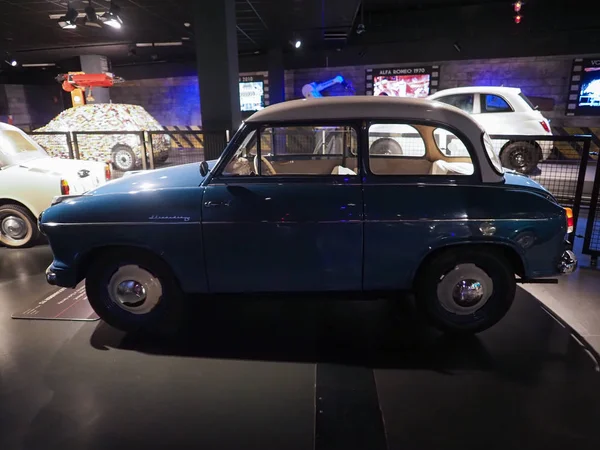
x,y
545,126
518,6
64,187
518,18
570,220
107,172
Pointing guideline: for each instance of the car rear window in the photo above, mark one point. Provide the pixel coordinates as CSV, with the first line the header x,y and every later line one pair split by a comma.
x,y
491,103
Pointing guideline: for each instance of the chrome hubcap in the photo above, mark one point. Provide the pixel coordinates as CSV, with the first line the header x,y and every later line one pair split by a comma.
x,y
135,289
131,293
124,159
467,292
465,289
14,227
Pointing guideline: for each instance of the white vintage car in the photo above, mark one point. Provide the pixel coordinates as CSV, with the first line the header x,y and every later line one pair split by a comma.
x,y
30,179
504,110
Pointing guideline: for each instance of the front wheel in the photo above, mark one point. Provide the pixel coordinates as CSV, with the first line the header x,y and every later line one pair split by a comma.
x,y
18,228
134,291
520,156
466,291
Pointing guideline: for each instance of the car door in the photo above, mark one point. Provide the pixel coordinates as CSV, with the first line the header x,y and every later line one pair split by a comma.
x,y
283,211
413,204
496,115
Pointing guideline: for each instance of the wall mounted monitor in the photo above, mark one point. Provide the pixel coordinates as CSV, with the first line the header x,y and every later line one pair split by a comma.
x,y
584,88
252,93
412,82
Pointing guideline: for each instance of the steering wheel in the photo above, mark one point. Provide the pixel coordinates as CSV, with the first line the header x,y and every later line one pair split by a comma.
x,y
270,171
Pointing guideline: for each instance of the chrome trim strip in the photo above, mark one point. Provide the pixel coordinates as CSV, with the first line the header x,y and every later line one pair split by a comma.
x,y
290,222
456,220
57,224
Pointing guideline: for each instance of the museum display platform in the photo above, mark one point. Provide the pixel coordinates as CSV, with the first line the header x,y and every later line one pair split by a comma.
x,y
291,375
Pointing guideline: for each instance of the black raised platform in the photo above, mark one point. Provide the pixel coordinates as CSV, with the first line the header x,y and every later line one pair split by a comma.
x,y
296,375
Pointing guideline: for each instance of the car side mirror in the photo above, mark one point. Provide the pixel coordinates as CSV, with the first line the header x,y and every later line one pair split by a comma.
x,y
204,168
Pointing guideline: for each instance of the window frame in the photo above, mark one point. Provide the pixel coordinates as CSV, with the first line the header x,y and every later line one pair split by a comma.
x,y
475,177
216,176
482,104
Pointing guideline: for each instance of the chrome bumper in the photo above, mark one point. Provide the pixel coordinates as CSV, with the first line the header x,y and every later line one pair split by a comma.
x,y
51,276
568,262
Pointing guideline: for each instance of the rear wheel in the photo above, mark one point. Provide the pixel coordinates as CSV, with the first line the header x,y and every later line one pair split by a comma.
x,y
135,291
385,146
466,291
520,156
123,158
18,228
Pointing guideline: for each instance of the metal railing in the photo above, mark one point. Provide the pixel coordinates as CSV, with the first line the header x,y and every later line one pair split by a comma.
x,y
591,238
565,167
139,149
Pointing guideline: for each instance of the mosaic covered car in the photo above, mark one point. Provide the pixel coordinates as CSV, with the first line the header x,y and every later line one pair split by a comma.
x,y
299,202
123,150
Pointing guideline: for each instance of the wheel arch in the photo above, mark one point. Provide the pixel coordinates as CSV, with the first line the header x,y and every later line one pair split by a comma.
x,y
12,201
499,248
535,143
85,260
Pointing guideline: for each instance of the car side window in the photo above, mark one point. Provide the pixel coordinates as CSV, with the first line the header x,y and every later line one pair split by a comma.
x,y
242,161
417,151
461,101
308,150
297,150
491,103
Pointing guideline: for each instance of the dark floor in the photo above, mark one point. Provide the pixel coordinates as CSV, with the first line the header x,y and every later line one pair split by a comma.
x,y
296,375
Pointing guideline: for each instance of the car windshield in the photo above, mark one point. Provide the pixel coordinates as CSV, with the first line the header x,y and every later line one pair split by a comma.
x,y
16,147
489,148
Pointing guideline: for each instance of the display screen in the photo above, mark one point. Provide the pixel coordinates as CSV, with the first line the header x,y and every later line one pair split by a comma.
x,y
252,94
589,93
412,82
584,94
415,86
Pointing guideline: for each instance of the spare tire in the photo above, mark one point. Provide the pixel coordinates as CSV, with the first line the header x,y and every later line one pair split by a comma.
x,y
385,146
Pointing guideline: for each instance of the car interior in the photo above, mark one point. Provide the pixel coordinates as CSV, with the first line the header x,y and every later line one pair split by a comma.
x,y
333,151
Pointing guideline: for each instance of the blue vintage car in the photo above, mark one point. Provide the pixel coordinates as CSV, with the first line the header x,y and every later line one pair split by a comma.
x,y
300,201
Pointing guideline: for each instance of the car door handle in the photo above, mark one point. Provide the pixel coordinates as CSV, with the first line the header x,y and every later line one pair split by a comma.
x,y
211,204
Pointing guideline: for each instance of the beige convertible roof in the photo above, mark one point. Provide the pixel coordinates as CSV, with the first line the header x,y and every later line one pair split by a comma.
x,y
381,107
360,106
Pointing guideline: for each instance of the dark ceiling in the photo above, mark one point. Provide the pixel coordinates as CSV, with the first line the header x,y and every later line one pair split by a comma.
x,y
396,30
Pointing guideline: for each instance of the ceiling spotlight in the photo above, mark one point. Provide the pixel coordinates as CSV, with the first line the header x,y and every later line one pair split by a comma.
x,y
187,24
457,47
11,62
518,18
112,17
517,6
91,18
298,43
67,22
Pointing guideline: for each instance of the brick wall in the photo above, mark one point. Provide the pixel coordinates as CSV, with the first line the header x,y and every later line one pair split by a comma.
x,y
539,77
172,101
31,105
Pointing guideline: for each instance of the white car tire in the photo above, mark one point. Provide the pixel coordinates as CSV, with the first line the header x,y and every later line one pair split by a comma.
x,y
18,228
123,158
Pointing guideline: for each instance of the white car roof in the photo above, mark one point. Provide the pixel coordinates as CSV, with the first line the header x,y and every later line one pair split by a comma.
x,y
380,107
501,90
